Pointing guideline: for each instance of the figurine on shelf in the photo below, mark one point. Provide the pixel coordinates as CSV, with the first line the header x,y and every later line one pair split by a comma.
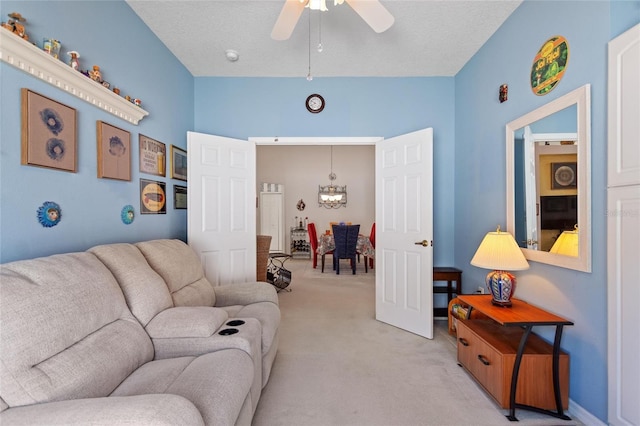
x,y
116,90
95,74
74,63
15,25
51,46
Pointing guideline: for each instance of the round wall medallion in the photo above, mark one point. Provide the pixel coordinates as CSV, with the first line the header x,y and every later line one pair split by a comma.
x,y
127,214
315,103
49,214
549,65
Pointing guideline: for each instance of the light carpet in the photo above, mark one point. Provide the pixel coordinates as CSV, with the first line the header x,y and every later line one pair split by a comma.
x,y
337,365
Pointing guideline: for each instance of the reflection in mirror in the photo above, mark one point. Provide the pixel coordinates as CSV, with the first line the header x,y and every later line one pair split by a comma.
x,y
545,173
548,194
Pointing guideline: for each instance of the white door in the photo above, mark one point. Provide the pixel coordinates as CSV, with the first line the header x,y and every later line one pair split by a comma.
x,y
404,219
531,190
623,228
221,224
272,219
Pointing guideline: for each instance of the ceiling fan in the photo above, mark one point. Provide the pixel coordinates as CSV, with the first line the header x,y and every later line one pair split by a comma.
x,y
372,11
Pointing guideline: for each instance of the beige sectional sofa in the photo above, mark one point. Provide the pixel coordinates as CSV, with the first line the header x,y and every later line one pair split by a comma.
x,y
131,334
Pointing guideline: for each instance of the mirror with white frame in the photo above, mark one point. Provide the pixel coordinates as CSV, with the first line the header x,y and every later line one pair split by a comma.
x,y
548,181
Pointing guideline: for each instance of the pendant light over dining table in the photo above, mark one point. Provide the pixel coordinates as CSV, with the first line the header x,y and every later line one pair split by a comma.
x,y
332,196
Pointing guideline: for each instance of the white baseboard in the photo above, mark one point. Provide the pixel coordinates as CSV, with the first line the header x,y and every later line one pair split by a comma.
x,y
576,411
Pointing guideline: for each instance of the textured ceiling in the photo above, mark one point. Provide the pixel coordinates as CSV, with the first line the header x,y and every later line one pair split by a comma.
x,y
428,37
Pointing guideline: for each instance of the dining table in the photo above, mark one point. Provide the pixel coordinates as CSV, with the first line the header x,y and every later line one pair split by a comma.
x,y
326,243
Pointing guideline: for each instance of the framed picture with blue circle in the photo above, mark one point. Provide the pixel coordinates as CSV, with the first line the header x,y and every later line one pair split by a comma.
x,y
48,133
114,152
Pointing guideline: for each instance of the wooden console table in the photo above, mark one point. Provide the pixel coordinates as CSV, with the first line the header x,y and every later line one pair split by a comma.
x,y
448,274
524,316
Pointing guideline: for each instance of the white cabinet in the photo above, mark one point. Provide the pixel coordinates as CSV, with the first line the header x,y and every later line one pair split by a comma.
x,y
272,219
623,228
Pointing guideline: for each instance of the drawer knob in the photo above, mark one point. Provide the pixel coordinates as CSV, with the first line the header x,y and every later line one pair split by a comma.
x,y
483,360
463,341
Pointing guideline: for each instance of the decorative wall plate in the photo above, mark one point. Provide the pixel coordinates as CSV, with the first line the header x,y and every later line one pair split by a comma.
x,y
127,214
49,214
549,65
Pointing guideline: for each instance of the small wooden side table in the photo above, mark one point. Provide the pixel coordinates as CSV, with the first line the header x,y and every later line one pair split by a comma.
x,y
448,274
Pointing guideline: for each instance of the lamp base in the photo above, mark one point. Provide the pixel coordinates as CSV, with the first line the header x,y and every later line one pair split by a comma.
x,y
506,304
502,286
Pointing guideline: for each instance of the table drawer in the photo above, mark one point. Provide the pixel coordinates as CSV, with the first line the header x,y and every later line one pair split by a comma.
x,y
481,360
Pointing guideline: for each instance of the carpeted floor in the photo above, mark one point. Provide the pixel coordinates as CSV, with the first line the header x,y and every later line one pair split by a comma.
x,y
337,365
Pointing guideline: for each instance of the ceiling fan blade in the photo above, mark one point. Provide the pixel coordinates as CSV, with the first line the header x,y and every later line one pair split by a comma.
x,y
286,23
373,13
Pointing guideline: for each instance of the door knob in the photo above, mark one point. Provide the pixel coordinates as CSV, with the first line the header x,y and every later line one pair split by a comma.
x,y
423,243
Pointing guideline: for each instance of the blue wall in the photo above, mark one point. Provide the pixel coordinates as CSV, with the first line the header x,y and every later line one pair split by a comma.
x,y
245,107
110,35
480,166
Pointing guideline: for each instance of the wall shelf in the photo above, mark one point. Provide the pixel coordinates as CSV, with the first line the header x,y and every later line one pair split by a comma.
x,y
29,58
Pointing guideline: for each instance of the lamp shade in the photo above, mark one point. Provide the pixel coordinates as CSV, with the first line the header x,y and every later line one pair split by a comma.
x,y
499,251
566,244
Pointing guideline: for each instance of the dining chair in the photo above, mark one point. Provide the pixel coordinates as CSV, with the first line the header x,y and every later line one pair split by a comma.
x,y
313,241
323,257
337,223
372,238
346,239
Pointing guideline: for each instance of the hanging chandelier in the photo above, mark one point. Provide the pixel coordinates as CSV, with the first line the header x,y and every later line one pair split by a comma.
x,y
332,196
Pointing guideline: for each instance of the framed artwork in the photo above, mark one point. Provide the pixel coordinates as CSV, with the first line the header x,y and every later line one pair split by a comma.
x,y
564,175
153,198
48,133
152,156
178,163
114,152
179,197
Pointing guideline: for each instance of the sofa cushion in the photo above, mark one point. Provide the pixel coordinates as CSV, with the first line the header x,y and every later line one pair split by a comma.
x,y
217,383
145,291
182,322
181,269
141,410
66,330
245,293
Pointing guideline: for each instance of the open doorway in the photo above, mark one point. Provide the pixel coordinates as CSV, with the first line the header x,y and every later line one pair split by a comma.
x,y
302,168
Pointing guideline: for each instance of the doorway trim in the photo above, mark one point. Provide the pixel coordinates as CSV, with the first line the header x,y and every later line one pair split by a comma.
x,y
333,140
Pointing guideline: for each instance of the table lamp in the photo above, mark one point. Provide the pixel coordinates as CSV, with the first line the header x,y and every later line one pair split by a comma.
x,y
499,251
567,243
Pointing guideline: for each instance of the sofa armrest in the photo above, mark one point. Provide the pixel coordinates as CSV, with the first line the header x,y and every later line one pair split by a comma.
x,y
245,294
191,321
141,410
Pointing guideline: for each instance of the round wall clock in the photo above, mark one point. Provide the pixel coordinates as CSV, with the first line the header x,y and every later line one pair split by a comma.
x,y
315,103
